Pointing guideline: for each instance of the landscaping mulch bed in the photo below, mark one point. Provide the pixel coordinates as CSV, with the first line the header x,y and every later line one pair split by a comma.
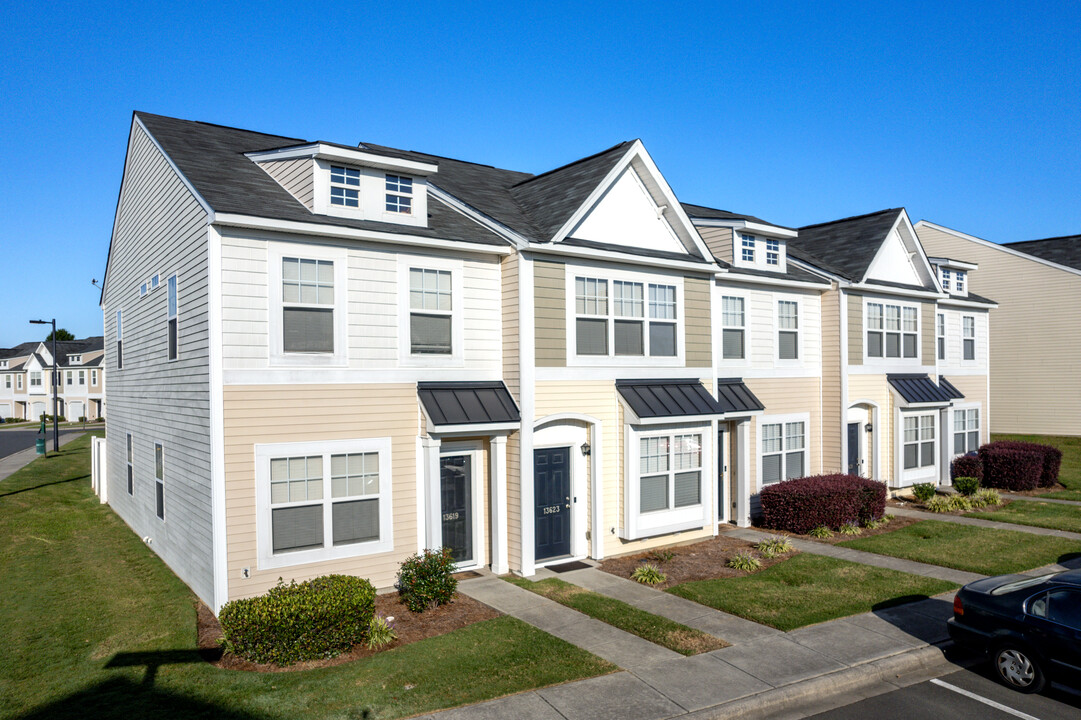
x,y
697,561
896,523
913,505
411,627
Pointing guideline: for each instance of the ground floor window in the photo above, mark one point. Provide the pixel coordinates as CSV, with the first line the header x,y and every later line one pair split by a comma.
x,y
919,441
666,475
323,500
966,430
783,446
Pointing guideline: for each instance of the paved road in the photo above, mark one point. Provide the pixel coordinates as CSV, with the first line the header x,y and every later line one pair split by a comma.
x,y
946,697
12,441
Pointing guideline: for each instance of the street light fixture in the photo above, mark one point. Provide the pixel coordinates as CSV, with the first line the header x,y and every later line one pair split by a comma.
x,y
56,423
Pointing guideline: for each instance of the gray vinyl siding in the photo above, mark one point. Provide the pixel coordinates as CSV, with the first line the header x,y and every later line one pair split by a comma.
x,y
161,228
297,176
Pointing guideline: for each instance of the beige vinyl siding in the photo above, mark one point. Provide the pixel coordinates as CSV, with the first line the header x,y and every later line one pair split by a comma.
x,y
550,313
305,413
511,341
927,333
161,228
974,388
876,389
697,329
832,420
719,242
784,396
514,502
1034,343
855,329
297,176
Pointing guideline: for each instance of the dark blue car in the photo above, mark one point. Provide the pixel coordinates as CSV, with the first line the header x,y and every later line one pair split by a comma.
x,y
1030,627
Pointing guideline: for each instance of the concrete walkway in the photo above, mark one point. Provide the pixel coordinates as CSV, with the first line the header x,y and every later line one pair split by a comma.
x,y
976,522
17,461
1037,498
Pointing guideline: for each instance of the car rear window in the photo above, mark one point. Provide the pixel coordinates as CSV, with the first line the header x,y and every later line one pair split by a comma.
x,y
1022,584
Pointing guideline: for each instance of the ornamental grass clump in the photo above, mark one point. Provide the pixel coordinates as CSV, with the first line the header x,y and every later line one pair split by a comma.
x,y
744,560
986,497
774,547
822,532
850,528
315,619
427,580
876,523
801,504
648,575
381,632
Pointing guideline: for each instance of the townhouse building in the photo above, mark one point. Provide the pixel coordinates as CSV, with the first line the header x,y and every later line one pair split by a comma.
x,y
26,380
337,356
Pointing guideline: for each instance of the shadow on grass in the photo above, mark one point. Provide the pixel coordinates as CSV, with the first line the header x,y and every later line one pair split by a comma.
x,y
43,485
919,616
154,659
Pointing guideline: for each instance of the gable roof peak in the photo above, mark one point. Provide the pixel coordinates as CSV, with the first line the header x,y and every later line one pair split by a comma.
x,y
865,216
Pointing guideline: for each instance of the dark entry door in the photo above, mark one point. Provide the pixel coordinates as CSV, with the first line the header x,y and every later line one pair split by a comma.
x,y
720,472
853,448
552,502
456,488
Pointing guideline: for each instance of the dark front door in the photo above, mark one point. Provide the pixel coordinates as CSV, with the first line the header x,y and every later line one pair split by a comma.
x,y
720,472
456,488
853,448
552,502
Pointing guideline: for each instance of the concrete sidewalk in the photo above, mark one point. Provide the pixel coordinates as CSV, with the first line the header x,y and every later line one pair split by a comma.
x,y
17,461
977,522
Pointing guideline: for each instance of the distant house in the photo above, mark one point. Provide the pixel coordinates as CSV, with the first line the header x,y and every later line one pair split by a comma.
x,y
1035,377
26,391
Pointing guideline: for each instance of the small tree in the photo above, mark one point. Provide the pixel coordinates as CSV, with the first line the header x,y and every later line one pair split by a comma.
x,y
61,335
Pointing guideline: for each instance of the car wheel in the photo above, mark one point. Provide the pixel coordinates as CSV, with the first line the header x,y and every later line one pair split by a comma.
x,y
1018,668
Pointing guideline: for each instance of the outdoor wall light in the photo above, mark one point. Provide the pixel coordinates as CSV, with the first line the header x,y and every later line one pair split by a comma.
x,y
586,449
868,427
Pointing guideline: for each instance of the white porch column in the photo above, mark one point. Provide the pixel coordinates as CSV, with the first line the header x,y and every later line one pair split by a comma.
x,y
497,458
433,526
742,468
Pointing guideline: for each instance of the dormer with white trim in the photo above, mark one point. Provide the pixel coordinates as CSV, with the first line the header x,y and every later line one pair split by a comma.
x,y
748,243
953,274
75,359
351,183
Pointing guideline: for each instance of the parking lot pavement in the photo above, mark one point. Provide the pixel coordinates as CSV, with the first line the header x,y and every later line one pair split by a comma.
x,y
12,441
964,695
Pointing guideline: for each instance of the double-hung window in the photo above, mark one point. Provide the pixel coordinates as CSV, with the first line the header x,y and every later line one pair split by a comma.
x,y
93,377
69,378
966,430
629,317
430,312
773,252
940,335
787,330
747,248
7,382
946,279
892,331
399,194
662,320
919,441
131,465
172,318
35,378
307,305
591,321
159,480
344,186
670,472
784,451
959,281
19,381
119,341
968,336
82,377
733,324
642,316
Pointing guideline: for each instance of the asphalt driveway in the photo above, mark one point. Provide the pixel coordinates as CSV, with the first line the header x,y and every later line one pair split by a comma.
x,y
12,441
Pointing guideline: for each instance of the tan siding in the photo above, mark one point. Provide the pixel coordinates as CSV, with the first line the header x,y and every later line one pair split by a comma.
x,y
514,499
974,388
783,396
831,379
698,333
719,242
855,329
550,313
511,362
927,332
288,413
297,176
1035,385
877,390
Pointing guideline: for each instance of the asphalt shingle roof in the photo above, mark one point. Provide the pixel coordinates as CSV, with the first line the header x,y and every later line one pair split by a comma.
x,y
1064,250
844,247
701,211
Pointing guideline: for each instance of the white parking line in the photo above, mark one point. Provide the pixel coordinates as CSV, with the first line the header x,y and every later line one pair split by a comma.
x,y
985,701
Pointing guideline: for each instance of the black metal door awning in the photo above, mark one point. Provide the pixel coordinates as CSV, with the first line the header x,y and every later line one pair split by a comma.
x,y
919,390
468,406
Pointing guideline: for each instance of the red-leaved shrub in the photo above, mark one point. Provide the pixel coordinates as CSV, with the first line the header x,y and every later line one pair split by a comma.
x,y
1051,456
802,504
1011,468
966,466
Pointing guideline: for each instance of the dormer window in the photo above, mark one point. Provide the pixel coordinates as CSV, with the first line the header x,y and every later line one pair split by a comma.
x,y
748,248
344,186
945,279
959,281
399,194
773,252
75,359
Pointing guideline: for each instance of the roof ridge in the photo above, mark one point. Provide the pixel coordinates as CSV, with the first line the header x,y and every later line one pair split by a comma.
x,y
224,127
572,164
853,217
1058,237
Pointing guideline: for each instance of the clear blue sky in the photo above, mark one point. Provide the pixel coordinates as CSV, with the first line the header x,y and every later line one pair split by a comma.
x,y
967,114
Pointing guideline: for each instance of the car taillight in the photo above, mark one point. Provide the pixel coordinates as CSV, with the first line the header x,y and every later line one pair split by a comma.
x,y
958,608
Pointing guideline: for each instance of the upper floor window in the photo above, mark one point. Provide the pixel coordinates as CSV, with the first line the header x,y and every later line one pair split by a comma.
x,y
70,378
344,186
634,332
430,312
784,451
119,341
629,310
399,194
733,322
968,336
773,252
75,359
966,431
892,331
93,377
959,281
7,382
82,377
945,279
172,319
747,248
35,378
591,299
919,441
940,335
662,320
19,382
307,305
787,329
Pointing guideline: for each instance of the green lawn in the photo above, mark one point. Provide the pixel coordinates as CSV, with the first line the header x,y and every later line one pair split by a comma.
x,y
656,629
80,591
808,589
1070,474
1034,512
963,547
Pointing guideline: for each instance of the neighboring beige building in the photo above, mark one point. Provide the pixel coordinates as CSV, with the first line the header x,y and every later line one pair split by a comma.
x,y
1035,380
26,371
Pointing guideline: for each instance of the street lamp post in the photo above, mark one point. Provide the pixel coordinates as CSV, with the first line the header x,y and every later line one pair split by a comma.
x,y
56,423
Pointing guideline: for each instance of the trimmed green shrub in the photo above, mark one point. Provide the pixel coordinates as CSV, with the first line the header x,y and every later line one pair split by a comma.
x,y
924,491
774,546
966,466
1012,466
648,575
966,485
1051,458
744,560
821,531
319,618
804,503
427,580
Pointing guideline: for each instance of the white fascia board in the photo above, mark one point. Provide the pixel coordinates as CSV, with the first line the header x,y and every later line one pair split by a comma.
x,y
903,404
626,258
757,228
888,290
902,219
953,302
346,233
815,270
474,429
953,264
669,420
480,218
348,155
758,280
996,246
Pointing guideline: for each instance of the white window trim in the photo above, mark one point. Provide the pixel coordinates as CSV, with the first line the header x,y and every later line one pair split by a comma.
x,y
388,193
611,359
661,522
761,420
868,359
975,340
19,382
340,258
928,473
120,339
457,318
93,377
761,252
978,407
745,360
941,338
159,481
129,464
264,453
477,493
777,330
175,280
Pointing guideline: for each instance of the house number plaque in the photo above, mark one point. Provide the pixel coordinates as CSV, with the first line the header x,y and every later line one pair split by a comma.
x,y
447,517
551,509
